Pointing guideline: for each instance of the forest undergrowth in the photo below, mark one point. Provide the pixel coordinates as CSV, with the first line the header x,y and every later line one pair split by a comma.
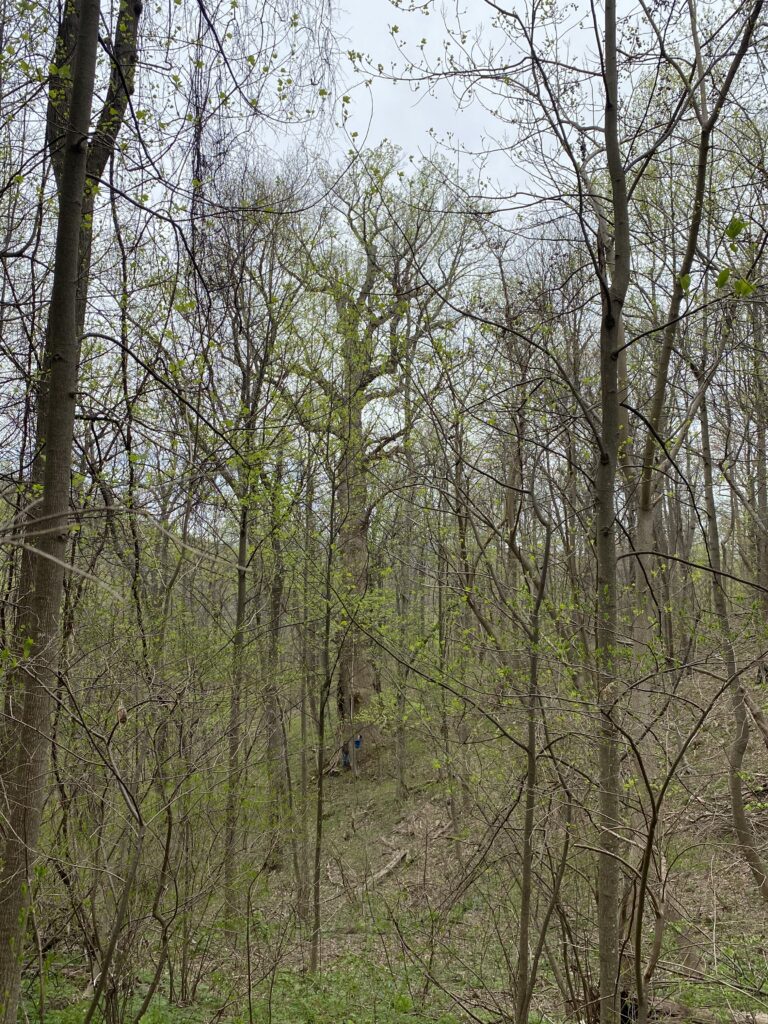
x,y
415,917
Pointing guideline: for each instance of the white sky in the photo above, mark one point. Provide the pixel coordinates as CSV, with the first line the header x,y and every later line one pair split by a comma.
x,y
393,110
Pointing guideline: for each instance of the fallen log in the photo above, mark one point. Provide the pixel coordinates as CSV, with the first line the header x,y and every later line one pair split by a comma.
x,y
400,857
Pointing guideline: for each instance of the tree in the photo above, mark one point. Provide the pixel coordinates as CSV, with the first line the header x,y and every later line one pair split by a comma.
x,y
42,577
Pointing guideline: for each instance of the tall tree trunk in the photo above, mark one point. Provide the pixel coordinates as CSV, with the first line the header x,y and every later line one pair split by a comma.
x,y
525,977
761,454
232,811
611,334
308,698
324,697
451,780
42,584
277,756
357,674
405,585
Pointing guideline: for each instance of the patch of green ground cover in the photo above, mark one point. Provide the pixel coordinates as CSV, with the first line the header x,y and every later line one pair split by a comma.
x,y
353,991
65,1003
742,967
160,1012
719,999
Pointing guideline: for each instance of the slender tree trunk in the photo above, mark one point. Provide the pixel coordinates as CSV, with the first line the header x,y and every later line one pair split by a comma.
x,y
525,981
608,736
276,765
327,669
611,334
402,604
42,587
761,454
404,590
442,656
308,683
232,812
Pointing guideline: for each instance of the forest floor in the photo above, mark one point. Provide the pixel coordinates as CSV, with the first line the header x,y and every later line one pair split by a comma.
x,y
408,940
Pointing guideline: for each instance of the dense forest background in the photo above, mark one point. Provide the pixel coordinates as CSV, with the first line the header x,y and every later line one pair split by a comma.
x,y
384,573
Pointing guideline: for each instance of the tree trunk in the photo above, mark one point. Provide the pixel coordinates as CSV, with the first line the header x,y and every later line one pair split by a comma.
x,y
525,977
761,416
357,674
607,627
232,812
277,757
324,697
42,584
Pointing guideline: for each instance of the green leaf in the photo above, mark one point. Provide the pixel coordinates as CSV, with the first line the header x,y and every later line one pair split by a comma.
x,y
722,277
685,282
743,288
735,228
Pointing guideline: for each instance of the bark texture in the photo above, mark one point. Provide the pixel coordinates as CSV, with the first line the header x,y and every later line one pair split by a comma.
x,y
42,582
614,289
78,164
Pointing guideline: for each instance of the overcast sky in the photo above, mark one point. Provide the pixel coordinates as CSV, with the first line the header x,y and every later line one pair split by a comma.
x,y
392,109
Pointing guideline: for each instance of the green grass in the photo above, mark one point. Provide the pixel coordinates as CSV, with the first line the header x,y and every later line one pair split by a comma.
x,y
744,987
353,991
